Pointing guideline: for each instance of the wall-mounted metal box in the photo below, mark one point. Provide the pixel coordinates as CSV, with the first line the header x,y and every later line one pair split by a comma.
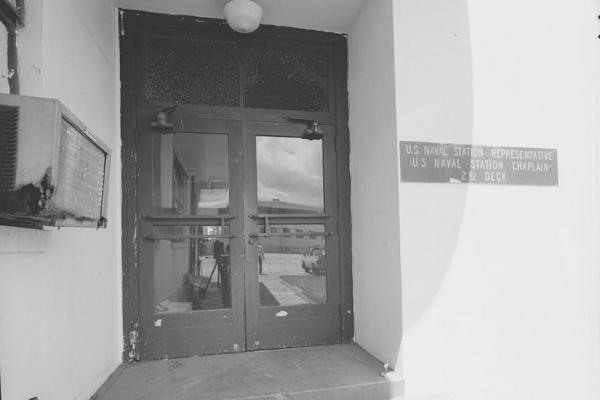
x,y
53,170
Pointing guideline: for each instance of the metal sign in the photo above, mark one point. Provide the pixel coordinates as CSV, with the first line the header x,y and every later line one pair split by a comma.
x,y
457,163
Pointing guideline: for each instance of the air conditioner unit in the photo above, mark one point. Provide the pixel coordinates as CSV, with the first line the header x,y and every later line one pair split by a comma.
x,y
54,171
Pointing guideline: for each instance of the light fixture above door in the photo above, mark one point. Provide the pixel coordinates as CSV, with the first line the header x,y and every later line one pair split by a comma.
x,y
243,16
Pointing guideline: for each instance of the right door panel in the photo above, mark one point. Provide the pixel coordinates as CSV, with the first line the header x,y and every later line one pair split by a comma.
x,y
292,267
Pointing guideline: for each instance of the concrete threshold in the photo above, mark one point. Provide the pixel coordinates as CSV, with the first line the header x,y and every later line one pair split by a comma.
x,y
337,372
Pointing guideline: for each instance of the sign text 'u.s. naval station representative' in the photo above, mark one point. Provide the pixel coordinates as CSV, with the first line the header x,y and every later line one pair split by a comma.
x,y
455,163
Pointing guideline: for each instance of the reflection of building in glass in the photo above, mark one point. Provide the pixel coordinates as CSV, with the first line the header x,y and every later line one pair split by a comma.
x,y
301,237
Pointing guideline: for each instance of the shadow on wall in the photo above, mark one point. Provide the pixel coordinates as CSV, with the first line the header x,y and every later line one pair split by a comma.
x,y
428,248
434,104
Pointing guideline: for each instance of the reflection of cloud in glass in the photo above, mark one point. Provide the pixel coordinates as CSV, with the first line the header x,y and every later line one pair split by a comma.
x,y
214,198
290,169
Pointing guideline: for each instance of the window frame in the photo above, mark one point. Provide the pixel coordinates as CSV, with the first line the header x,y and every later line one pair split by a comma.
x,y
12,17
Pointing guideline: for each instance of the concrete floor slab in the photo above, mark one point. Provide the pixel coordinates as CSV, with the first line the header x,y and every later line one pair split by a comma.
x,y
344,372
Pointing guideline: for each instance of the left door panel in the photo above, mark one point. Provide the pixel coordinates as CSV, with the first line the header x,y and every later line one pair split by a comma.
x,y
191,255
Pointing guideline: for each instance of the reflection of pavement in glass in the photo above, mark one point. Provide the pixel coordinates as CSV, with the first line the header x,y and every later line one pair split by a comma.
x,y
284,294
312,286
283,264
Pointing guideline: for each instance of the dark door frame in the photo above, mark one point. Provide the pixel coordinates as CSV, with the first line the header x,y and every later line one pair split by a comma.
x,y
133,24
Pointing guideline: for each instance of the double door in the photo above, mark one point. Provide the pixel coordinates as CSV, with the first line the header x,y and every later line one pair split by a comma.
x,y
238,247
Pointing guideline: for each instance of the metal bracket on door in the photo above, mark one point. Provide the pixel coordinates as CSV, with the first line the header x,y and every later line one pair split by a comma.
x,y
313,129
162,122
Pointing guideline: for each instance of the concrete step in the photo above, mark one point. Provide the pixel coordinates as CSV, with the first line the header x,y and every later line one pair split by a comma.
x,y
339,372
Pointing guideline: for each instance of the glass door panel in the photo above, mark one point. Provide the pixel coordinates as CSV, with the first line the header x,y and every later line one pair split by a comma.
x,y
189,259
191,174
292,236
291,257
292,269
289,175
192,269
191,179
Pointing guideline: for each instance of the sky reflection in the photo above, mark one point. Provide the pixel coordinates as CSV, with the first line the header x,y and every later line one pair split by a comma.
x,y
290,170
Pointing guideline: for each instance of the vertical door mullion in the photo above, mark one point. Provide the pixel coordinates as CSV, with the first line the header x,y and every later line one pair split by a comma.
x,y
237,225
250,228
331,202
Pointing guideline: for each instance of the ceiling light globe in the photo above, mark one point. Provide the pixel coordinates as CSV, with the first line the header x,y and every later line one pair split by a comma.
x,y
243,16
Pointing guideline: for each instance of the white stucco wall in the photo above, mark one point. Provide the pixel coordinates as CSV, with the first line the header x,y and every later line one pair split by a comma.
x,y
4,86
501,283
60,334
374,171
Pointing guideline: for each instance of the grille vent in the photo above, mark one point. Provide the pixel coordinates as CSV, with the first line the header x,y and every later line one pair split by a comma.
x,y
9,128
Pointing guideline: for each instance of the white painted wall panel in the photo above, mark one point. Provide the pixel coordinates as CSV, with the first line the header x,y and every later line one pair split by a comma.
x,y
374,171
4,87
500,284
60,310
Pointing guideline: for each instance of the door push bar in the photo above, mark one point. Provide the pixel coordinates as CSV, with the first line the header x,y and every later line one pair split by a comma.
x,y
275,216
165,219
259,216
179,237
290,234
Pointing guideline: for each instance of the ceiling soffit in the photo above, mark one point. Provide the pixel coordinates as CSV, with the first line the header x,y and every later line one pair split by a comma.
x,y
322,15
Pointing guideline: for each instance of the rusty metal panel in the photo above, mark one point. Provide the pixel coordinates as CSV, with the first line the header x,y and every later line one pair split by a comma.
x,y
187,341
465,163
282,333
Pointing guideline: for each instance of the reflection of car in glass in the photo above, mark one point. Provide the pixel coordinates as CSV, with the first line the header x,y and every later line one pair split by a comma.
x,y
314,260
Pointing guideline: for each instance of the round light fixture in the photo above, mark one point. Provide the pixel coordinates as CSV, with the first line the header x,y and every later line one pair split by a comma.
x,y
243,16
